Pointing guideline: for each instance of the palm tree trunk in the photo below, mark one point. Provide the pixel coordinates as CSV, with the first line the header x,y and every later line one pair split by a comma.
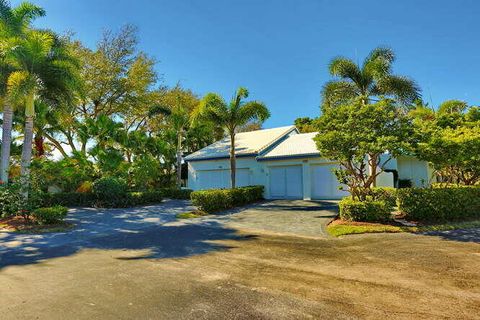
x,y
179,158
6,142
233,162
26,155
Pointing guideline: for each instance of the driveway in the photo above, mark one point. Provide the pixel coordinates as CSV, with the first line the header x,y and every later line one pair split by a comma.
x,y
143,264
143,228
287,217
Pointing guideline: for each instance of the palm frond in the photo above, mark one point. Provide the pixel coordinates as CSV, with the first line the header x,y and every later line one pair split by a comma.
x,y
26,12
401,87
345,68
383,53
253,110
212,108
336,92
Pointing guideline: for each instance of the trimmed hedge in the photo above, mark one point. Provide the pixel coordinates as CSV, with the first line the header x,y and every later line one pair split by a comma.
x,y
387,194
74,199
175,193
439,204
223,199
51,215
370,210
68,199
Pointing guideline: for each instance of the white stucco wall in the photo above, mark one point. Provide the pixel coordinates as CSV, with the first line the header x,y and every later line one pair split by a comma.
x,y
259,171
419,172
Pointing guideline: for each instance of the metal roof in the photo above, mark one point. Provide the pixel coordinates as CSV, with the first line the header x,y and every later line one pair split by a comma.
x,y
246,144
294,146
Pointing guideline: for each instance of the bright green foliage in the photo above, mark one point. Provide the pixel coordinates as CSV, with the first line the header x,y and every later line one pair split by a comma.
x,y
367,210
357,136
11,201
50,215
231,116
372,79
223,199
109,191
305,125
439,204
387,194
450,140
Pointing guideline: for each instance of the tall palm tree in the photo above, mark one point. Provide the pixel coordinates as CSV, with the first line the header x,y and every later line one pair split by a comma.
x,y
14,23
373,78
231,116
46,72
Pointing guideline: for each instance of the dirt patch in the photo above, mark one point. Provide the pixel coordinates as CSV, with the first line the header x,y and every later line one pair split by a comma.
x,y
19,224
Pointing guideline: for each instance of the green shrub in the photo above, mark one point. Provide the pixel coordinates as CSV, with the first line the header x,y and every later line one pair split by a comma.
x,y
223,199
370,210
439,204
68,199
143,198
175,193
387,194
10,200
110,192
50,215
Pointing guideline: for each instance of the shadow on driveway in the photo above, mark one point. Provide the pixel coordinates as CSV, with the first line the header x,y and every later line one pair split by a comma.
x,y
119,229
462,235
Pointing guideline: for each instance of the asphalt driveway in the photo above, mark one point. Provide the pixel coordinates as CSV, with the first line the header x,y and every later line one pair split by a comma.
x,y
283,217
143,264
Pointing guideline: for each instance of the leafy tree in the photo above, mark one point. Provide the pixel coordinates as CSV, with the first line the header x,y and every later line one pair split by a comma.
x,y
230,116
14,23
362,138
305,124
367,82
449,139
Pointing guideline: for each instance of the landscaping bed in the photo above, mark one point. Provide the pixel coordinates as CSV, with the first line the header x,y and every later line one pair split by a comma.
x,y
19,224
341,227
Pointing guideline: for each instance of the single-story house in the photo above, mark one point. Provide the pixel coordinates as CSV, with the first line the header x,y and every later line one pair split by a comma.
x,y
287,163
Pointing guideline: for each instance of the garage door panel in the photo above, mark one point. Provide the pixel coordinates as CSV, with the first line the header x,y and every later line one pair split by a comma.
x,y
325,184
286,182
294,182
277,182
220,179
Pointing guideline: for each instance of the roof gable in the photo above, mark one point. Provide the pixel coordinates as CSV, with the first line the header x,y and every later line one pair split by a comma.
x,y
293,146
246,144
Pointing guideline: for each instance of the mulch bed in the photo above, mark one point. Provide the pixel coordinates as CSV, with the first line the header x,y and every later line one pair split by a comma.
x,y
359,223
18,224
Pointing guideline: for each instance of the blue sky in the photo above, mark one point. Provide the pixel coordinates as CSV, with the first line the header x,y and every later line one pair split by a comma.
x,y
280,50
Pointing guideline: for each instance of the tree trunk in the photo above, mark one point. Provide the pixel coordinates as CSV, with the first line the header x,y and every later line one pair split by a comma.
x,y
26,155
179,158
6,142
233,162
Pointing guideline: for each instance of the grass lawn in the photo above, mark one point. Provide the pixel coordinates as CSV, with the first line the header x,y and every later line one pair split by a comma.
x,y
191,214
339,228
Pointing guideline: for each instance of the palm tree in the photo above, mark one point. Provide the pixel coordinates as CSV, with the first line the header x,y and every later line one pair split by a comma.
x,y
46,72
231,116
14,23
373,78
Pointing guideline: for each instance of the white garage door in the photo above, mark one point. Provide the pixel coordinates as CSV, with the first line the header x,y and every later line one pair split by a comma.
x,y
220,179
286,182
324,183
